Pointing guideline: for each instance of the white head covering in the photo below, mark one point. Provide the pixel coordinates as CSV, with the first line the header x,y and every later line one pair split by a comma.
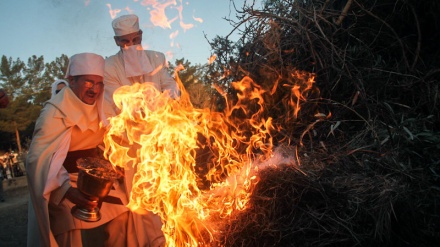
x,y
89,64
55,84
125,24
85,64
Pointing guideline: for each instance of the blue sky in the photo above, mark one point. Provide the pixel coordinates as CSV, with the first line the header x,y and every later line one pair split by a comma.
x,y
54,27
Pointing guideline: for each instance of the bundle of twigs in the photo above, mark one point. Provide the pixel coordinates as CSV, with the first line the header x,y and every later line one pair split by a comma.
x,y
369,171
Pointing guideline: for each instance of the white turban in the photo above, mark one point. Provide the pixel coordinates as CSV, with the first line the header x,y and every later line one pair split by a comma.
x,y
125,24
55,84
85,64
89,64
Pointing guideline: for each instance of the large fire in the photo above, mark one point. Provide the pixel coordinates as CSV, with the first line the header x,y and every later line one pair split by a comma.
x,y
192,165
163,137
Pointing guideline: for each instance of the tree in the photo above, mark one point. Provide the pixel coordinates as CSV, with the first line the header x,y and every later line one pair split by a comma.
x,y
34,82
28,86
11,76
53,71
191,77
18,81
376,64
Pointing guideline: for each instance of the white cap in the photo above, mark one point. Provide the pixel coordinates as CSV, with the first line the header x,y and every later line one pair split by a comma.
x,y
125,24
85,64
55,84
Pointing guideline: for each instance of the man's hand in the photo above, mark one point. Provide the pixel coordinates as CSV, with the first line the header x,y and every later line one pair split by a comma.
x,y
81,200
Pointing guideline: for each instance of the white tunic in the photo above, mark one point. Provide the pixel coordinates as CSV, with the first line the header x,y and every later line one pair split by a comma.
x,y
114,78
147,227
65,124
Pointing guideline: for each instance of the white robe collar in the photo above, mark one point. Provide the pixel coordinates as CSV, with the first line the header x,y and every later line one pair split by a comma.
x,y
76,112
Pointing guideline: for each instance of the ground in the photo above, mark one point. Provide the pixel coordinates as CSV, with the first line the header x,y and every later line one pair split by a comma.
x,y
13,213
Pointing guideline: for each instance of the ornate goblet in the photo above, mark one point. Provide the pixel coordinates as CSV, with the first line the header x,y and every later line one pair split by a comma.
x,y
95,179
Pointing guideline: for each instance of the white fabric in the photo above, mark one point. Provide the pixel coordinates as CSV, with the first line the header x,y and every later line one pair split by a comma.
x,y
85,64
125,24
89,64
115,77
136,62
55,85
60,124
147,227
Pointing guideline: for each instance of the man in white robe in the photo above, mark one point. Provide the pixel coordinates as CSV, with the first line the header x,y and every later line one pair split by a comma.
x,y
70,126
132,64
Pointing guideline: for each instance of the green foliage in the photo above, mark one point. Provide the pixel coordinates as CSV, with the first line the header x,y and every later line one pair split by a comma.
x,y
196,83
11,76
34,82
28,86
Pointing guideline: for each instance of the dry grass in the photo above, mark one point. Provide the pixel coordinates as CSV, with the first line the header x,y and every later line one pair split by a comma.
x,y
369,172
355,200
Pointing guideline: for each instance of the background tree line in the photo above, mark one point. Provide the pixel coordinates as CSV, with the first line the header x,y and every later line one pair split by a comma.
x,y
28,86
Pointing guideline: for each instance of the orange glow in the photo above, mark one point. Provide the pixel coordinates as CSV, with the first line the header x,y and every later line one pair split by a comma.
x,y
198,19
184,26
113,12
169,55
212,59
193,165
157,14
299,91
174,34
129,10
161,14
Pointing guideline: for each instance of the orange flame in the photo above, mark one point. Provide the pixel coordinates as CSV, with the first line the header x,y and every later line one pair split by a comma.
x,y
303,84
184,26
113,12
157,14
198,19
212,59
174,34
193,165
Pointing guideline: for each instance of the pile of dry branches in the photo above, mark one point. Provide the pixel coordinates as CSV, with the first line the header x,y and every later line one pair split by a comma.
x,y
369,171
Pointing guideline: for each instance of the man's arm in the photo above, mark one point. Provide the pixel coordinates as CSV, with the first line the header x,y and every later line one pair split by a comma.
x,y
48,138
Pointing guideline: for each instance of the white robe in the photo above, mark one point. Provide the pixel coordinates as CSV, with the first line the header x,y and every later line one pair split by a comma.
x,y
114,78
147,226
65,124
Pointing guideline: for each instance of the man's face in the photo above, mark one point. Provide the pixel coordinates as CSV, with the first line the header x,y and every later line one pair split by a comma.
x,y
87,87
129,39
